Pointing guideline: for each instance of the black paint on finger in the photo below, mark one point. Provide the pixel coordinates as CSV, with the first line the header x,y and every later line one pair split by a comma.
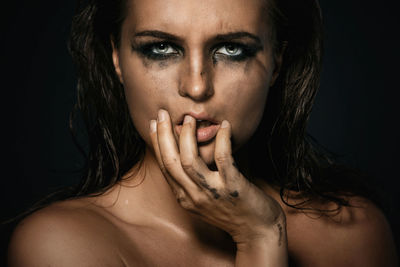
x,y
234,194
280,234
215,193
201,176
204,183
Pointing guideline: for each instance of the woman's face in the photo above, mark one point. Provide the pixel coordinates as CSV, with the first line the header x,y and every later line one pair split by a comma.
x,y
211,59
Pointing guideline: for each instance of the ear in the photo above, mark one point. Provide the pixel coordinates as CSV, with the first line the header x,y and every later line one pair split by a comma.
x,y
278,58
115,58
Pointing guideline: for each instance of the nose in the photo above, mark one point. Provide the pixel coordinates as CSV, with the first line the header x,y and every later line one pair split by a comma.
x,y
196,78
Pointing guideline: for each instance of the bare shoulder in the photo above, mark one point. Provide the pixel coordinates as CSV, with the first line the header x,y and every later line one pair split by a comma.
x,y
68,233
358,235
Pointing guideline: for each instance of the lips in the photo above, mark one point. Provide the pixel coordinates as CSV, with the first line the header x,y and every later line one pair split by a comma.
x,y
206,127
199,118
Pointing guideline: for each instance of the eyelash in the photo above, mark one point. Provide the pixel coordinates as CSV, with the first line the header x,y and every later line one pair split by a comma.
x,y
247,51
147,50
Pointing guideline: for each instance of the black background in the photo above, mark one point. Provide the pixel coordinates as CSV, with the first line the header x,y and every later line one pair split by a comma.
x,y
355,114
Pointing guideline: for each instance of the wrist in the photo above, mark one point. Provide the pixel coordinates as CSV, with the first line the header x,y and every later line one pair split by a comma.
x,y
268,249
263,234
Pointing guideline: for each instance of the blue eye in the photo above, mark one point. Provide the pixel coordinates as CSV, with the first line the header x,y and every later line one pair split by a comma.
x,y
235,51
230,50
163,49
224,51
157,50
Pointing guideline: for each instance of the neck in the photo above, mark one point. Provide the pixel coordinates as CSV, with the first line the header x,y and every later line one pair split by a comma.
x,y
144,197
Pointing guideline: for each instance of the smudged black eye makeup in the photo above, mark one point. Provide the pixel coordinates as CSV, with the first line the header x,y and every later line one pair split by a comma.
x,y
157,50
164,50
235,51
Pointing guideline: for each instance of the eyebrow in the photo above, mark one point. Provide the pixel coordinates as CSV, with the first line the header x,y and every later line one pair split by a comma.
x,y
237,35
220,37
158,34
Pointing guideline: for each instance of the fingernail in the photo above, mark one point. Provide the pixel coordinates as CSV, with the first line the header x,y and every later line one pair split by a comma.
x,y
161,115
187,119
225,124
153,126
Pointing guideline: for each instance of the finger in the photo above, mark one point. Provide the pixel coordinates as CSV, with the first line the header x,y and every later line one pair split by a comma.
x,y
191,162
169,153
223,155
181,195
175,187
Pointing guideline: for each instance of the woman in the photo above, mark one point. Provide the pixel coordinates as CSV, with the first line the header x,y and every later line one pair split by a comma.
x,y
196,114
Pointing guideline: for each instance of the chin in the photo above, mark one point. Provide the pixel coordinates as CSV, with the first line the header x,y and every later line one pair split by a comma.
x,y
206,152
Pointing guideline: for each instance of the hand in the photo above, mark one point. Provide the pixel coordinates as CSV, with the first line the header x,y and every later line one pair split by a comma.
x,y
224,198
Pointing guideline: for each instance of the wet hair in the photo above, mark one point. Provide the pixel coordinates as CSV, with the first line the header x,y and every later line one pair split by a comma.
x,y
284,154
114,143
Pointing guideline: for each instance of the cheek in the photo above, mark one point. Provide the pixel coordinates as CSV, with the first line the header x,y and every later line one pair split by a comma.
x,y
247,90
146,90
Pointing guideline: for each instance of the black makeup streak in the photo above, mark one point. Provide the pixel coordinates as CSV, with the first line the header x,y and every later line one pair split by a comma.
x,y
234,194
214,60
163,65
146,63
247,66
280,234
260,64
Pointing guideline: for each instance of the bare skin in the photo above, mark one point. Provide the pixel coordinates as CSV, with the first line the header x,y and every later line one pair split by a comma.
x,y
99,231
179,208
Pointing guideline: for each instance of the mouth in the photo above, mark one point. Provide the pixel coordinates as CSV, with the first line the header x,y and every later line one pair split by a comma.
x,y
205,131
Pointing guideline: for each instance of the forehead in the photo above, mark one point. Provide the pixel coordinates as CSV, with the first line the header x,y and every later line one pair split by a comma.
x,y
198,16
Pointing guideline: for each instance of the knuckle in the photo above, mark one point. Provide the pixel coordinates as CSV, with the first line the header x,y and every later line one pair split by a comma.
x,y
182,195
198,201
187,163
186,127
232,178
183,200
169,162
162,125
222,158
186,204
